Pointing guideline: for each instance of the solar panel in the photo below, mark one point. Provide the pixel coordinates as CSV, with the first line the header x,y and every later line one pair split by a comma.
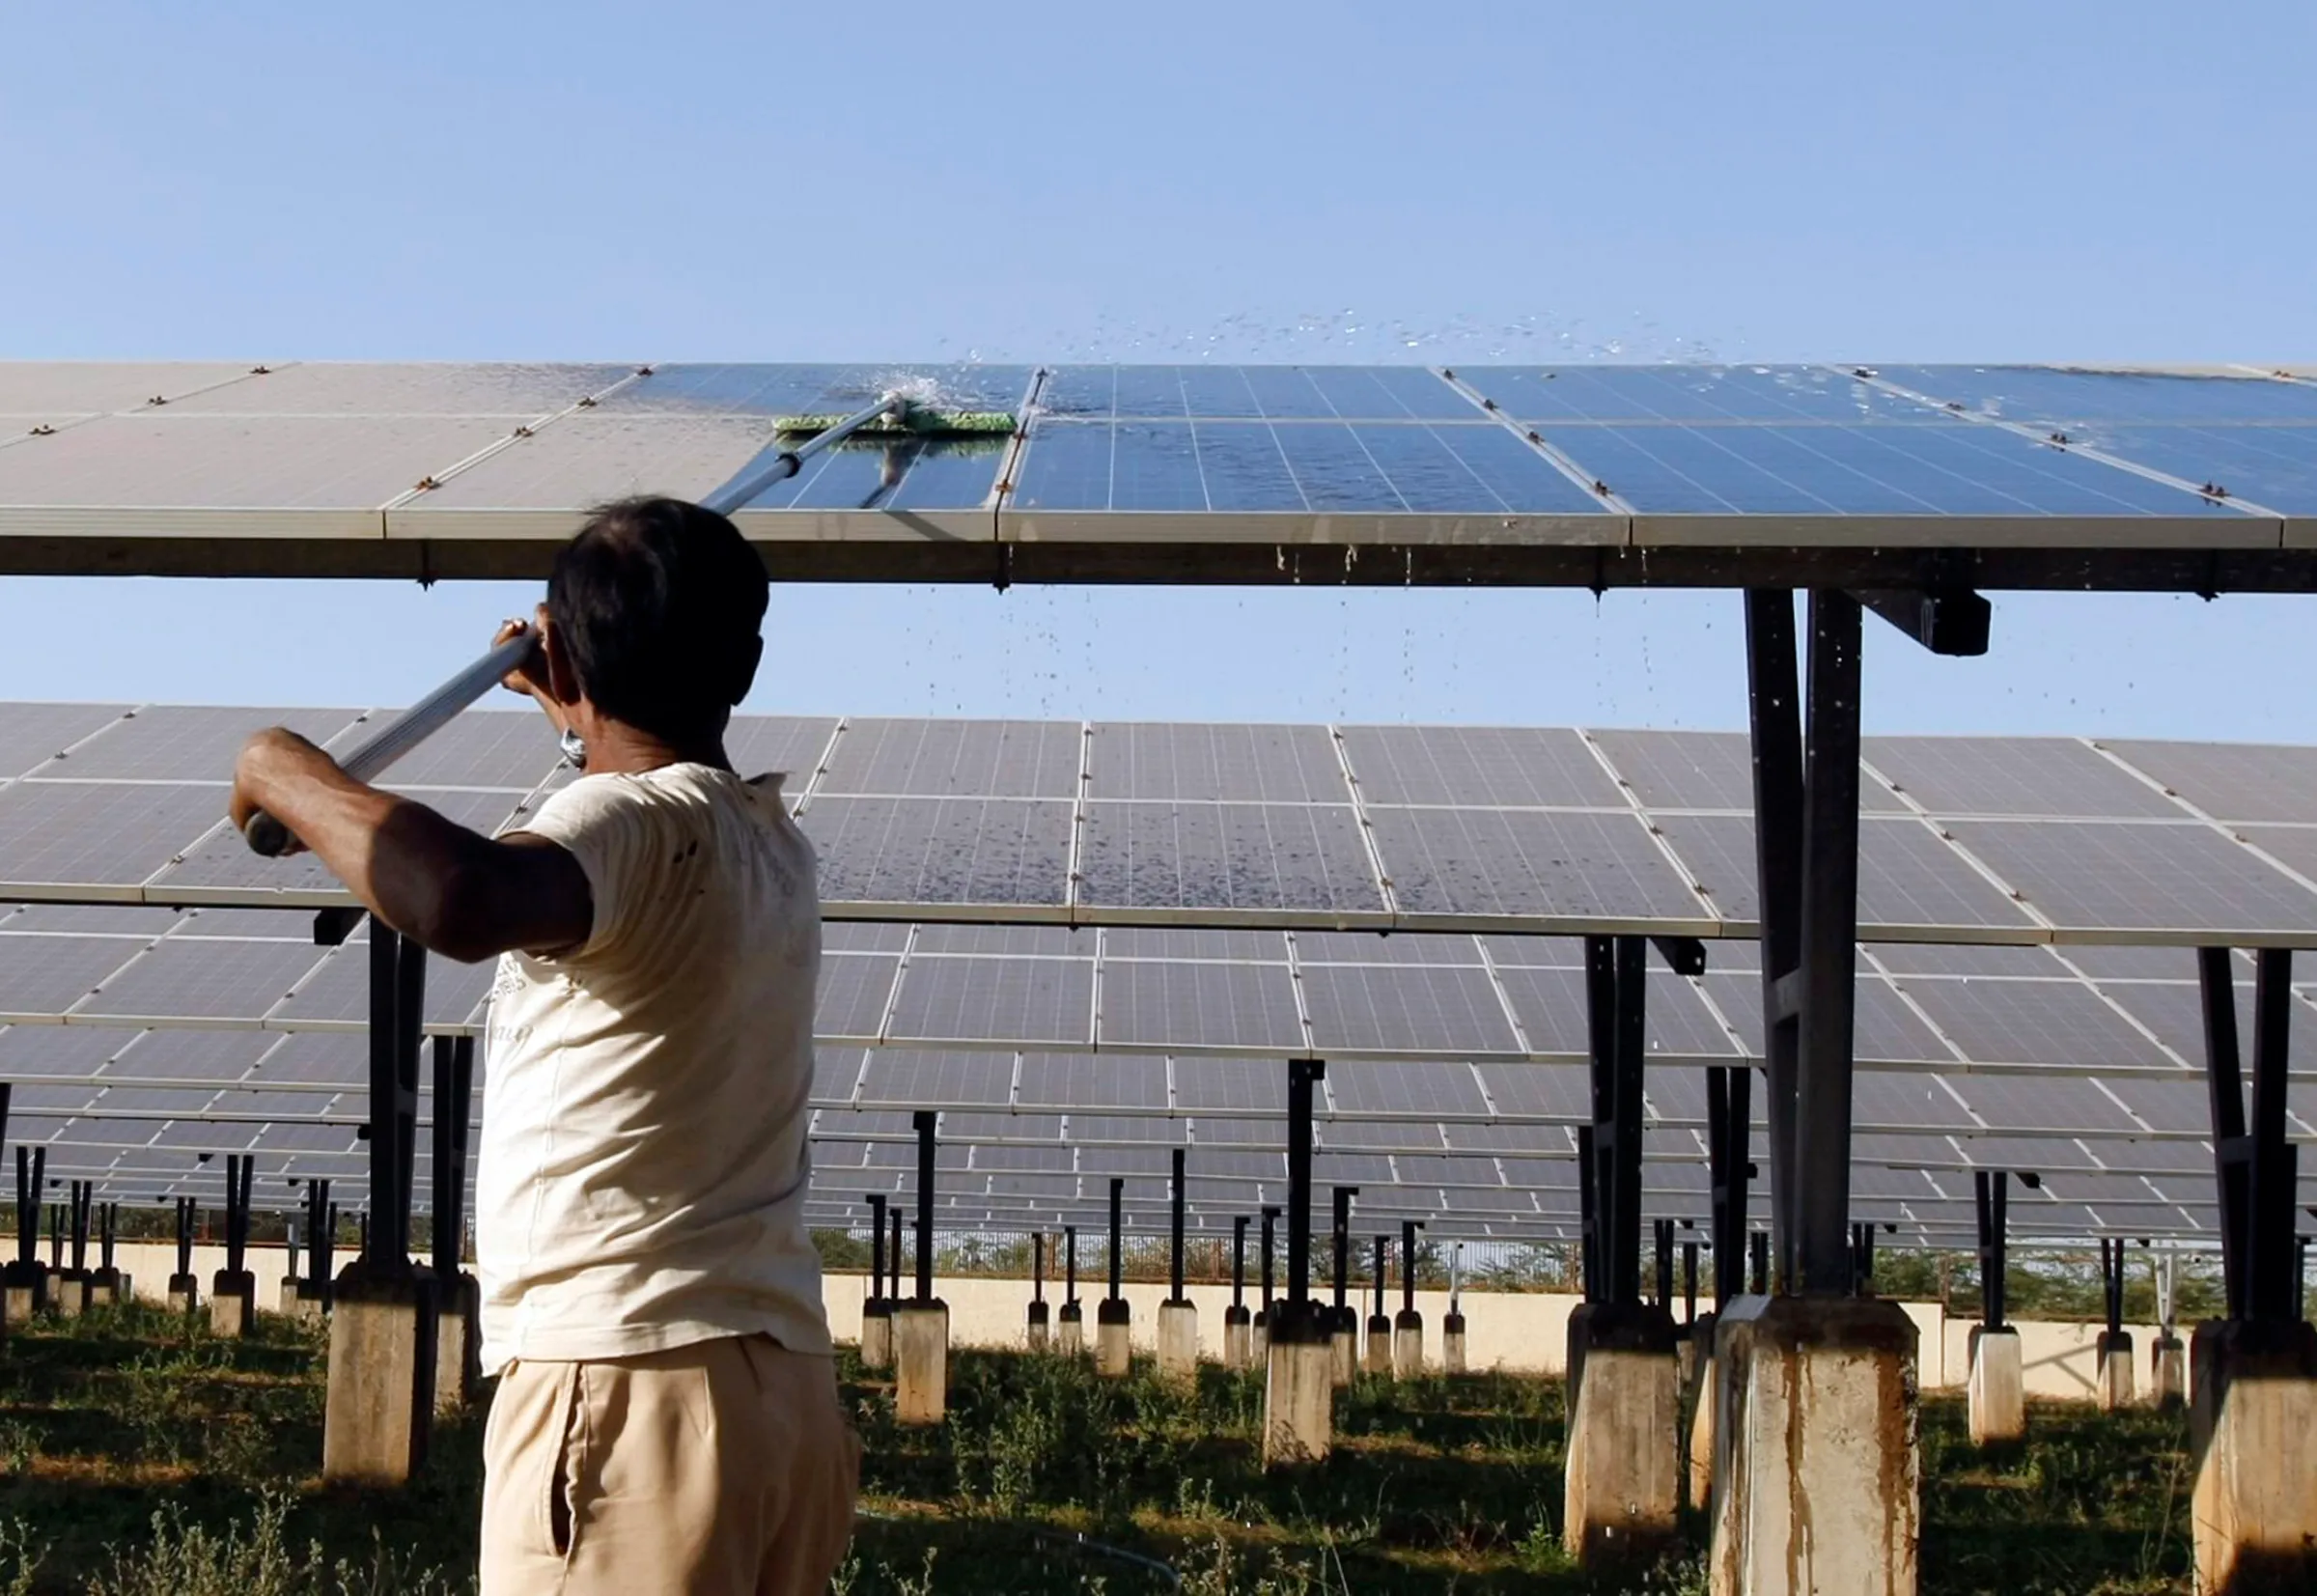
x,y
207,978
1398,1009
1293,393
1971,775
932,850
853,995
1157,1003
2148,878
1248,763
2058,395
1527,864
1478,767
2244,781
982,759
1019,1002
1234,856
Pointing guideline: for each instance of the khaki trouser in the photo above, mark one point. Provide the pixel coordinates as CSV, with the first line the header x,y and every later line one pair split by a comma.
x,y
723,1468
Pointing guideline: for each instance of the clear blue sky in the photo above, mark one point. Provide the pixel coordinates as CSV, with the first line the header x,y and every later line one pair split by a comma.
x,y
1239,181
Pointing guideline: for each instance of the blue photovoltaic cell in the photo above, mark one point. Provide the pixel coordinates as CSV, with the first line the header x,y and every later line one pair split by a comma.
x,y
1352,393
1936,468
876,476
1251,467
777,390
2275,466
2052,396
1686,393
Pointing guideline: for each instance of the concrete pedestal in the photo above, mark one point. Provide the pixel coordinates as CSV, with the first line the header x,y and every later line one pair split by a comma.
x,y
104,1288
1816,1473
1452,1344
1179,1339
1697,1460
1623,1484
2114,1355
2253,1410
458,1343
305,1303
286,1295
233,1304
1999,1387
1113,1345
69,1292
1298,1393
26,1290
184,1294
1343,1345
1408,1345
1239,1339
381,1382
1687,1353
921,1361
1379,1360
877,1333
2168,1371
1070,1329
1259,1341
1039,1330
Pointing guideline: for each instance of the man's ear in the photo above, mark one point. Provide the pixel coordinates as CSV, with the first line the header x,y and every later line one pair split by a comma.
x,y
745,677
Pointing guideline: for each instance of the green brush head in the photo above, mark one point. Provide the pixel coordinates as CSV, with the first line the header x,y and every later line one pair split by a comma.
x,y
915,421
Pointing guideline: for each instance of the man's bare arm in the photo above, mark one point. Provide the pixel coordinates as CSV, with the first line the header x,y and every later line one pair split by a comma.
x,y
460,893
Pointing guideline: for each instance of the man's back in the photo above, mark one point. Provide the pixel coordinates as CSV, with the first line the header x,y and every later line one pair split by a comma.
x,y
642,1172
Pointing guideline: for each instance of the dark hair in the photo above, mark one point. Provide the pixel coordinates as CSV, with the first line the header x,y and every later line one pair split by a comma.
x,y
659,607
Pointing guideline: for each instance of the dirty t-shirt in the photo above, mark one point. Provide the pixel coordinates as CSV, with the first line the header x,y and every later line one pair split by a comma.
x,y
643,1162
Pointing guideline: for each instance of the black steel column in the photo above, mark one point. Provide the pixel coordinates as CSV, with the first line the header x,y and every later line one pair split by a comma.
x,y
1069,1265
1270,1220
1174,1262
1037,1265
398,974
1588,1216
2271,1232
1862,1259
1760,1241
1303,1074
84,1201
1689,1283
1990,1191
893,1262
1775,702
2111,1283
1664,1233
924,1121
453,1088
1729,1149
108,1230
1408,1264
1238,1260
1381,1243
56,1237
322,1239
239,1168
877,1248
1616,970
1118,1239
1340,1241
32,1173
186,1214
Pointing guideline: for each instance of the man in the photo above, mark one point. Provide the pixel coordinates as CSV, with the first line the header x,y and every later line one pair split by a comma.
x,y
666,1417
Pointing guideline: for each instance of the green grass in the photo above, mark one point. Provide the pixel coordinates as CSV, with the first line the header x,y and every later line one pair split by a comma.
x,y
138,1458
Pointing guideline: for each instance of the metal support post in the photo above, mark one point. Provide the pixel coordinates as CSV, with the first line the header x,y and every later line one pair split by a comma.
x,y
1689,1283
1381,1243
1616,974
1070,1251
876,1248
32,1174
893,1255
1663,1233
1037,1265
1729,1137
108,1232
453,1088
1238,1260
924,1120
187,1216
1302,1074
322,1236
1118,1241
239,1168
1340,1245
84,1201
1990,1190
1588,1216
1174,1260
1760,1241
1408,1264
2111,1283
398,975
2256,1166
1270,1220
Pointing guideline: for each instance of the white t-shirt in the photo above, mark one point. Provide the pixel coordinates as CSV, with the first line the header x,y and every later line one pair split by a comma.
x,y
642,1171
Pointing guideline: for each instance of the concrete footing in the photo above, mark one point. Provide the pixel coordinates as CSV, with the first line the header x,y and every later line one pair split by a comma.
x,y
69,1292
233,1304
1038,1329
2167,1372
458,1342
1816,1473
1239,1339
877,1333
1622,1484
1343,1344
1999,1387
1298,1393
1379,1360
921,1361
2113,1352
2253,1410
1113,1344
1178,1340
105,1288
1452,1344
1259,1341
304,1304
184,1294
25,1289
1697,1451
1408,1345
1070,1329
382,1381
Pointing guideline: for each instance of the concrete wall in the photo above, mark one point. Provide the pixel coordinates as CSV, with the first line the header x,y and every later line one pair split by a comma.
x,y
1521,1333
